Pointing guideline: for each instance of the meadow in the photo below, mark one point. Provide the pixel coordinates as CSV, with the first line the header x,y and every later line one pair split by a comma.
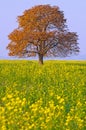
x,y
48,97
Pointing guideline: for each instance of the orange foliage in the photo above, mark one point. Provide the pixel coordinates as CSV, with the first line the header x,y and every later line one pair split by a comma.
x,y
42,31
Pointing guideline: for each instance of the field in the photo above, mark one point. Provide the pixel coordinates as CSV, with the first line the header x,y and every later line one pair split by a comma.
x,y
48,97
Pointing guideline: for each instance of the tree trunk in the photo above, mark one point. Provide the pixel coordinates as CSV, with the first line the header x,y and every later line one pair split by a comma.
x,y
41,59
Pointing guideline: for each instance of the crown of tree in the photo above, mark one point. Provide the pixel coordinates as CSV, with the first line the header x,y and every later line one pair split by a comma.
x,y
42,31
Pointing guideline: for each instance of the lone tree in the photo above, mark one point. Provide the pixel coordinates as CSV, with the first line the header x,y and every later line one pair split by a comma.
x,y
42,31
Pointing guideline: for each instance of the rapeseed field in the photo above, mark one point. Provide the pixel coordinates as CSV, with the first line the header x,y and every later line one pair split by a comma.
x,y
48,97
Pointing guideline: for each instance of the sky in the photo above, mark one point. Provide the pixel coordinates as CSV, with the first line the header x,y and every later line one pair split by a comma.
x,y
74,12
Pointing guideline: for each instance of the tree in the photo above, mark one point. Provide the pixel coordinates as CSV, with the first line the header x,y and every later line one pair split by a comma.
x,y
42,31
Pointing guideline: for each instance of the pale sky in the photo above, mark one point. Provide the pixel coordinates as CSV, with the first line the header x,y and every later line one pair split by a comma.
x,y
74,12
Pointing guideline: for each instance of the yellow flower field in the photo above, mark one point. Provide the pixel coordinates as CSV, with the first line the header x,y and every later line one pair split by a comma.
x,y
48,97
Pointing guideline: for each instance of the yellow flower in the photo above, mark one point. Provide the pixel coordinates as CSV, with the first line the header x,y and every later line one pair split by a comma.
x,y
69,118
66,123
47,110
62,107
61,100
8,104
79,103
31,126
4,98
72,110
9,96
3,127
41,118
10,108
2,109
43,125
15,110
58,97
24,99
48,119
51,93
34,109
17,98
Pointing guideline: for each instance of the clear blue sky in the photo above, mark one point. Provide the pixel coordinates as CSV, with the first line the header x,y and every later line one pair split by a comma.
x,y
74,12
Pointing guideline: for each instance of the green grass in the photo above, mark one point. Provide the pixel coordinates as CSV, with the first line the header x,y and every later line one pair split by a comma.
x,y
48,97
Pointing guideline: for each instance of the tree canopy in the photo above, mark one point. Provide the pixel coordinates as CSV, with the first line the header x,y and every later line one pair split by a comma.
x,y
42,31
